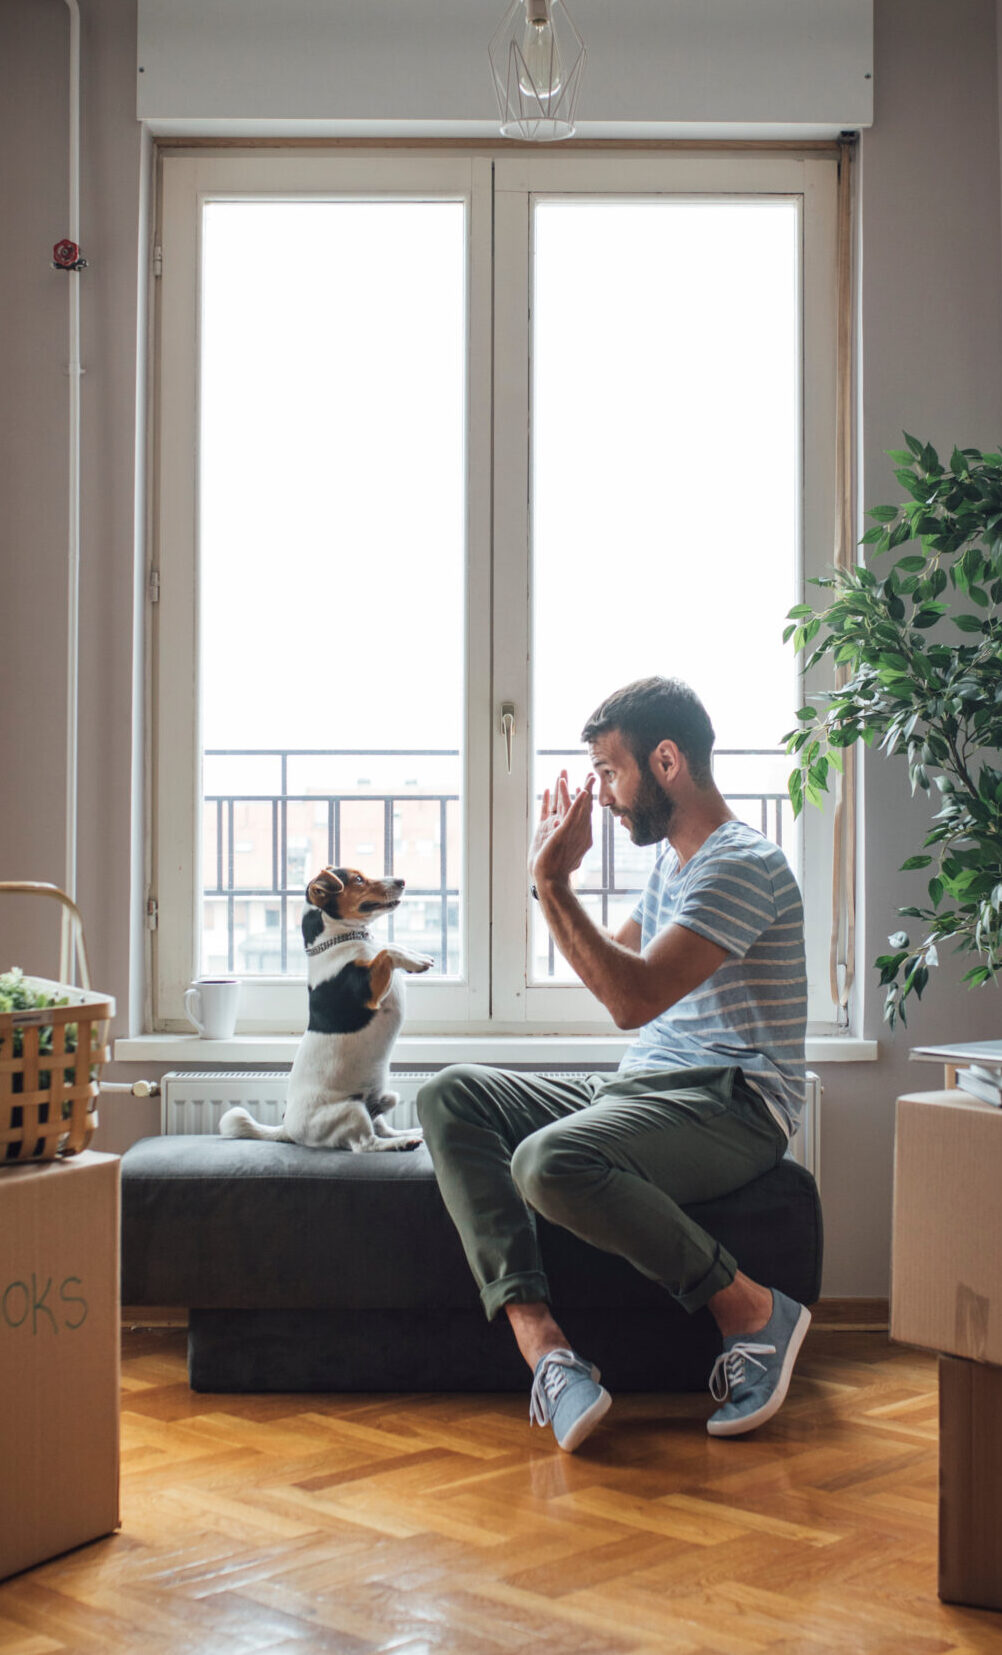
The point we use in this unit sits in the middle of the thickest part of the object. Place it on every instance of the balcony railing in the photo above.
(283, 853)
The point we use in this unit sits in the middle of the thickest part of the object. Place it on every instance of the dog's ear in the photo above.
(321, 889)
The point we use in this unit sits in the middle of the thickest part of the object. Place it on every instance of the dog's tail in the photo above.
(236, 1123)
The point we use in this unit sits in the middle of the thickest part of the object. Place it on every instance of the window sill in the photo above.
(422, 1050)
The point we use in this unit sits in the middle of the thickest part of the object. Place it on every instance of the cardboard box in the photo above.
(946, 1261)
(59, 1356)
(970, 1483)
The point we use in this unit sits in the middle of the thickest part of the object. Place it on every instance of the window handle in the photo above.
(508, 729)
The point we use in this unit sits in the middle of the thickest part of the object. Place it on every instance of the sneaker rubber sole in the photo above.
(749, 1422)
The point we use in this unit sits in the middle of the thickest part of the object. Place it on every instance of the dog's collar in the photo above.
(332, 942)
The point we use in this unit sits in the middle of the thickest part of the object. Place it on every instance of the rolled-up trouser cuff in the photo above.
(720, 1274)
(527, 1287)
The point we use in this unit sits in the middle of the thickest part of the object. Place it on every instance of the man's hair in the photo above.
(653, 710)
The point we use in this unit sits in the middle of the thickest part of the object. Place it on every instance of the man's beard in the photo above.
(650, 813)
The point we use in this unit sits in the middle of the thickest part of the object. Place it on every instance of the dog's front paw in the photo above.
(421, 962)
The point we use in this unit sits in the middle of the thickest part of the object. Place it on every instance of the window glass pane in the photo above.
(332, 534)
(665, 490)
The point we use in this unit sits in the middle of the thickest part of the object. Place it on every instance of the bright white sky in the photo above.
(332, 466)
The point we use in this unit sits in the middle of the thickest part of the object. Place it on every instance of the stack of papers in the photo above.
(978, 1064)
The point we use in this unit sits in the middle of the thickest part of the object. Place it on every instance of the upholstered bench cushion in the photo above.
(226, 1222)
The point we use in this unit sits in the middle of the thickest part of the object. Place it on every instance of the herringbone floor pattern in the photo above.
(444, 1526)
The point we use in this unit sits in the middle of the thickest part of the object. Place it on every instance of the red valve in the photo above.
(66, 256)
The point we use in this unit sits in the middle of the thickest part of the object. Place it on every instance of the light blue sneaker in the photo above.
(751, 1376)
(566, 1394)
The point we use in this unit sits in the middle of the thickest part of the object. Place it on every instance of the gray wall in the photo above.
(931, 361)
(33, 420)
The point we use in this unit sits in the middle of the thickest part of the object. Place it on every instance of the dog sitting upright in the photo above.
(338, 1092)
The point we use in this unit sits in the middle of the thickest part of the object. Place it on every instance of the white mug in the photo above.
(211, 1004)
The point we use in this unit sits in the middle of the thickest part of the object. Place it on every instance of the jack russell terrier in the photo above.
(338, 1092)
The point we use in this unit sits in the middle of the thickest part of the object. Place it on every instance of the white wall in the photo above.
(422, 65)
(932, 361)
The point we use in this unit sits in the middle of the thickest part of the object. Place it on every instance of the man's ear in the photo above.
(666, 760)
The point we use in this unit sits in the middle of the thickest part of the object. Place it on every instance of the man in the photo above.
(710, 970)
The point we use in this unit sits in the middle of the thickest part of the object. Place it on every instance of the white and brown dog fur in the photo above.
(338, 1089)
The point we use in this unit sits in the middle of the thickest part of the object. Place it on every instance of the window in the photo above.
(439, 435)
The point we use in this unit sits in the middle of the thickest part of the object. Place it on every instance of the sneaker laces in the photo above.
(728, 1370)
(550, 1380)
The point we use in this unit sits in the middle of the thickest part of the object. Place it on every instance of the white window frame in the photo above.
(496, 994)
(275, 1004)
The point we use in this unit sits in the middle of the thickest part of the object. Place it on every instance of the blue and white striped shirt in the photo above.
(737, 890)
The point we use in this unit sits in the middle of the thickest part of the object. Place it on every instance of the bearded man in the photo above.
(709, 971)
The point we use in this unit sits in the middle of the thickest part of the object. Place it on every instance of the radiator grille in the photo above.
(194, 1101)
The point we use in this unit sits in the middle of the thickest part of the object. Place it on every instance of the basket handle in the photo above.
(35, 888)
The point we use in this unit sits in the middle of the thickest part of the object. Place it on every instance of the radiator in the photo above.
(194, 1100)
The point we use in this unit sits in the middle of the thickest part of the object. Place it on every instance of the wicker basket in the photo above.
(47, 1098)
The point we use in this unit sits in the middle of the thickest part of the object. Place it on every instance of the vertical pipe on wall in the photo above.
(73, 550)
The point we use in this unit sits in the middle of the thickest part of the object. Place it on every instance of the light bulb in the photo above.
(540, 71)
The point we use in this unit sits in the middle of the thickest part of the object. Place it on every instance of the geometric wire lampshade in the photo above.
(536, 58)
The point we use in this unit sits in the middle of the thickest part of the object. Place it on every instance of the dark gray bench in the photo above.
(313, 1270)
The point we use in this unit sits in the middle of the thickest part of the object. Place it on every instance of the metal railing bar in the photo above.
(443, 831)
(345, 798)
(332, 752)
(284, 921)
(297, 892)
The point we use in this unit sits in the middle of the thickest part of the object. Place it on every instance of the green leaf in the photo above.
(968, 623)
(935, 892)
(883, 514)
(914, 444)
(795, 787)
(912, 561)
(915, 862)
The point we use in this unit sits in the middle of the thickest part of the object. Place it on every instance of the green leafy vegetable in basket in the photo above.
(18, 993)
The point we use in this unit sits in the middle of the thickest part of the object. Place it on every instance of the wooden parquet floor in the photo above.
(444, 1526)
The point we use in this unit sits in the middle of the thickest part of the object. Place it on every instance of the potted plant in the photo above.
(919, 648)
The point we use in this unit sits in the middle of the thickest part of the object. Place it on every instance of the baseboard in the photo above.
(136, 1316)
(852, 1315)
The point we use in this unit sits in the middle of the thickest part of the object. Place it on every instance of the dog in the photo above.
(338, 1094)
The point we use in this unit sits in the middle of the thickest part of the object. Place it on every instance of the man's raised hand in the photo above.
(563, 834)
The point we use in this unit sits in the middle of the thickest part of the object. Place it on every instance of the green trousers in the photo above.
(612, 1158)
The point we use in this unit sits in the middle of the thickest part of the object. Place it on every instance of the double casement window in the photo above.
(449, 447)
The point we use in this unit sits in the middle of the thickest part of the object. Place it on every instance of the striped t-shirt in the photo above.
(751, 1013)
